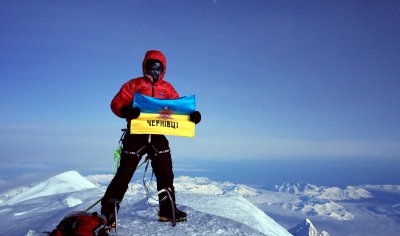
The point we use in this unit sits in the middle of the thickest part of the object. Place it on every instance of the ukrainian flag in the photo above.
(161, 116)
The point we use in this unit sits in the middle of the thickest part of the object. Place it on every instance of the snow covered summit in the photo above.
(213, 208)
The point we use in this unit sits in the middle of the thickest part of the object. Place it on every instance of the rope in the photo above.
(93, 205)
(172, 206)
(98, 201)
(147, 188)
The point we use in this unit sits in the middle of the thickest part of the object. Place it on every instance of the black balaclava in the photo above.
(154, 68)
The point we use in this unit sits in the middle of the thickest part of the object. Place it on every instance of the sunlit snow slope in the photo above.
(213, 208)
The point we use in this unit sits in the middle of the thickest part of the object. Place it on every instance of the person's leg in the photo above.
(119, 184)
(163, 170)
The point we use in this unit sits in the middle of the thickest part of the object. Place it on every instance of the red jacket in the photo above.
(160, 89)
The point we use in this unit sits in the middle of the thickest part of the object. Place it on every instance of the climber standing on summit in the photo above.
(152, 84)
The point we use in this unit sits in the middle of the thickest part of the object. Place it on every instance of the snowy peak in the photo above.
(66, 182)
(306, 228)
(297, 188)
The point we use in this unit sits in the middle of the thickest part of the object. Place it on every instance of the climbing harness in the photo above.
(150, 154)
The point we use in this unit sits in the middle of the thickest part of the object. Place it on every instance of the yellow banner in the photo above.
(178, 125)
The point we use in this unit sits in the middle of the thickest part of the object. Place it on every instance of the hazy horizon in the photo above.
(263, 174)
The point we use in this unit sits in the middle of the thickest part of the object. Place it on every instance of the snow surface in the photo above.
(213, 208)
(314, 200)
(63, 183)
(307, 205)
(376, 213)
(12, 193)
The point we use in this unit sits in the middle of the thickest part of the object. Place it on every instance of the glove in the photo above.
(130, 112)
(195, 117)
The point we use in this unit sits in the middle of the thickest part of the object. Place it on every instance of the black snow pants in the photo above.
(161, 162)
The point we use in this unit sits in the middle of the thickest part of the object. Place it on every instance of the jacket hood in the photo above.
(157, 55)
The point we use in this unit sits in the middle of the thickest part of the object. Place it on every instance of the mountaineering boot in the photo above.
(165, 214)
(180, 216)
(110, 217)
(111, 227)
(110, 212)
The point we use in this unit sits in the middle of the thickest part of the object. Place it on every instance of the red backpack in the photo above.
(82, 224)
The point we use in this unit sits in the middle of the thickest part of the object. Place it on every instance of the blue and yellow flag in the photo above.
(161, 116)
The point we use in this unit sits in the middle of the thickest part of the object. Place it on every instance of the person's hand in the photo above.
(195, 117)
(130, 112)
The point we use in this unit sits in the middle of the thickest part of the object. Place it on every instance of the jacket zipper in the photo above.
(152, 94)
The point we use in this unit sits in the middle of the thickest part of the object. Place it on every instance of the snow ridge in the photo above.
(13, 192)
(63, 183)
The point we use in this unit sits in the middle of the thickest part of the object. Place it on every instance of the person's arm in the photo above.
(174, 93)
(123, 98)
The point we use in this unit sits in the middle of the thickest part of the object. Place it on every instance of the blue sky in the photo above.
(273, 79)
